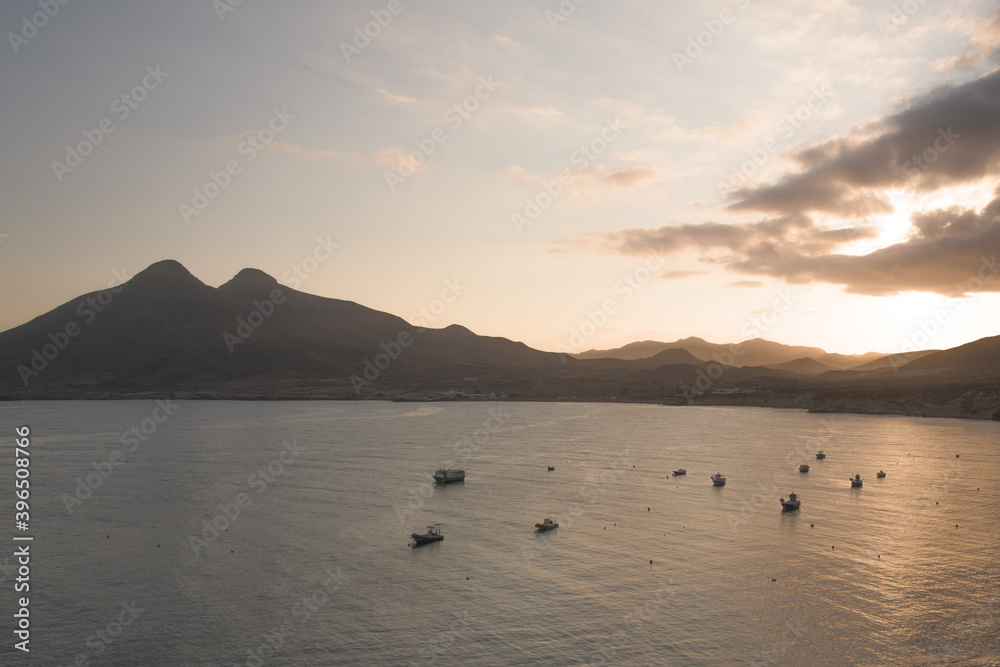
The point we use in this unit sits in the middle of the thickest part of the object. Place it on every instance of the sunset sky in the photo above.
(812, 173)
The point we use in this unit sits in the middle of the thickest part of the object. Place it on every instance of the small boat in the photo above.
(444, 476)
(803, 468)
(820, 454)
(548, 524)
(718, 479)
(856, 482)
(551, 468)
(880, 473)
(791, 504)
(433, 534)
(680, 471)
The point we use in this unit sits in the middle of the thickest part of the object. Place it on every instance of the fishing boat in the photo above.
(856, 482)
(820, 454)
(433, 534)
(791, 504)
(718, 479)
(548, 524)
(680, 471)
(444, 476)
(880, 473)
(803, 468)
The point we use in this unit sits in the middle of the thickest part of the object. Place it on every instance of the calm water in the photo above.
(317, 563)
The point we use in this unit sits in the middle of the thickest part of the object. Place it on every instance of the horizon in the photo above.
(824, 177)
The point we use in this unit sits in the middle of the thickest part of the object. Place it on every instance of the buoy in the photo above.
(647, 509)
(833, 547)
(812, 525)
(956, 525)
(936, 502)
(880, 555)
(650, 561)
(466, 578)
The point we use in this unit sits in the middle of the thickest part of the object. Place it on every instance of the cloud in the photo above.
(632, 177)
(678, 274)
(948, 137)
(985, 36)
(397, 158)
(295, 149)
(395, 99)
(949, 251)
(746, 283)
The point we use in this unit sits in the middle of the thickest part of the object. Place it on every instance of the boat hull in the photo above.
(425, 539)
(542, 528)
(449, 476)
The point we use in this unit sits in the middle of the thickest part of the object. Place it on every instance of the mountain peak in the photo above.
(163, 273)
(254, 277)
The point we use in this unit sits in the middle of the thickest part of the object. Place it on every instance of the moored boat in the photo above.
(444, 476)
(551, 468)
(820, 454)
(791, 504)
(680, 471)
(803, 468)
(880, 473)
(718, 479)
(548, 524)
(856, 482)
(433, 534)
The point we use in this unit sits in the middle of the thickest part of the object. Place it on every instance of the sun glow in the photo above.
(896, 226)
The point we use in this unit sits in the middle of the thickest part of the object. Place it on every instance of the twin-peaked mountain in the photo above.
(165, 332)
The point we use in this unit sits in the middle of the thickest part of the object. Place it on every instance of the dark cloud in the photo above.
(951, 251)
(948, 137)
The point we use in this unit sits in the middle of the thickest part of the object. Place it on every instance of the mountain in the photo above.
(892, 360)
(165, 333)
(755, 352)
(165, 329)
(804, 366)
(979, 358)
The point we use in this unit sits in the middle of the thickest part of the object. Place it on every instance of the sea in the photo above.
(278, 533)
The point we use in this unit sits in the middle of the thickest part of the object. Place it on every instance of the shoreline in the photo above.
(810, 404)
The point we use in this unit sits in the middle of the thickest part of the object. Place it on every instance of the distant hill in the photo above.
(755, 352)
(975, 359)
(892, 360)
(805, 366)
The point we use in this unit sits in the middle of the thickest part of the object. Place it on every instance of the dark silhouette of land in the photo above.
(165, 333)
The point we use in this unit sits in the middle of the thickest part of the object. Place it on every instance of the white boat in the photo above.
(444, 476)
(433, 534)
(856, 482)
(680, 471)
(820, 454)
(880, 473)
(803, 468)
(718, 479)
(791, 504)
(548, 524)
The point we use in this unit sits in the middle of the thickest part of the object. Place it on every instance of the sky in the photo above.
(573, 175)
